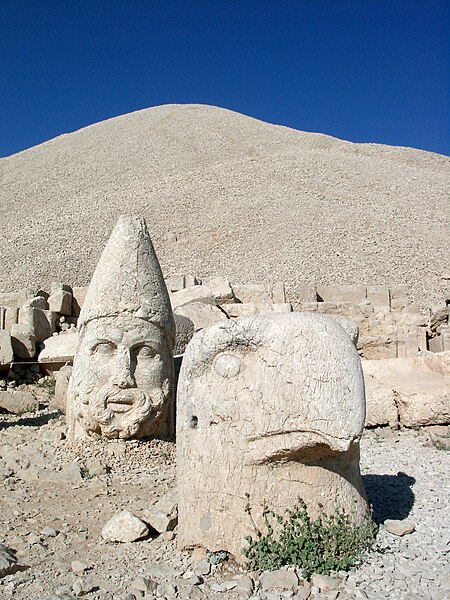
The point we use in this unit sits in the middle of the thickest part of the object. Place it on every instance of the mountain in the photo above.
(226, 194)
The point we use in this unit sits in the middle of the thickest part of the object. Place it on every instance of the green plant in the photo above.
(47, 383)
(323, 545)
(85, 473)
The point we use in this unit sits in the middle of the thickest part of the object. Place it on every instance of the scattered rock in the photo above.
(399, 528)
(163, 516)
(18, 402)
(124, 527)
(324, 582)
(279, 580)
(8, 561)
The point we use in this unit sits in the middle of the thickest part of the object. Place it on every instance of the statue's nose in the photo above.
(123, 377)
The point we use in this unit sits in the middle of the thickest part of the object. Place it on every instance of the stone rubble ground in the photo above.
(56, 499)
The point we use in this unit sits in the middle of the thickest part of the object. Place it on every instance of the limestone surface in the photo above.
(269, 408)
(123, 376)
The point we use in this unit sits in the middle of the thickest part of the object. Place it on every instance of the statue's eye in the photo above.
(105, 348)
(226, 365)
(145, 352)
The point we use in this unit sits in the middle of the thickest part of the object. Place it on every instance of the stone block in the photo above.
(23, 341)
(58, 350)
(43, 322)
(254, 402)
(341, 293)
(221, 289)
(421, 386)
(257, 294)
(202, 315)
(277, 292)
(180, 281)
(377, 347)
(381, 408)
(11, 317)
(16, 299)
(78, 296)
(198, 293)
(378, 295)
(399, 297)
(60, 300)
(305, 293)
(6, 350)
(245, 310)
(310, 306)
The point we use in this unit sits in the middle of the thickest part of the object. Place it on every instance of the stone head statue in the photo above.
(123, 377)
(269, 408)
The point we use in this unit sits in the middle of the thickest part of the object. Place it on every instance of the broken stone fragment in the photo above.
(163, 515)
(124, 527)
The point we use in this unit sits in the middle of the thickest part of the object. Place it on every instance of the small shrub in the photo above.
(47, 383)
(85, 473)
(321, 546)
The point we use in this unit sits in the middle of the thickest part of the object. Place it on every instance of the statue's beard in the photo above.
(119, 413)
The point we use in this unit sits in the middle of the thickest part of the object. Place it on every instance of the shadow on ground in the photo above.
(30, 421)
(390, 496)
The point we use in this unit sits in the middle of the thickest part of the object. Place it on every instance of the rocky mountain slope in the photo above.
(227, 194)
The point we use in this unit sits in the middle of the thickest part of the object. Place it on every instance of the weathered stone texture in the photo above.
(122, 383)
(6, 350)
(420, 385)
(273, 407)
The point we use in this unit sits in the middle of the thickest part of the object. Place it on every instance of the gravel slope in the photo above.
(243, 198)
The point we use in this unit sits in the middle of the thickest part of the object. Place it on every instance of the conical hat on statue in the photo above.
(128, 279)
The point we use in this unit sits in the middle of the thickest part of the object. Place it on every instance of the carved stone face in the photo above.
(121, 377)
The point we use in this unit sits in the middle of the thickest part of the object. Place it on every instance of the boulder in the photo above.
(18, 402)
(263, 401)
(124, 527)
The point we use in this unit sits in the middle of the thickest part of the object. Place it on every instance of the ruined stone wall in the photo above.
(41, 324)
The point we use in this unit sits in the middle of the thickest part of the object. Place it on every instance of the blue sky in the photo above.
(362, 70)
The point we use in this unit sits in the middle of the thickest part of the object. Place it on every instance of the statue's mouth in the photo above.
(121, 403)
